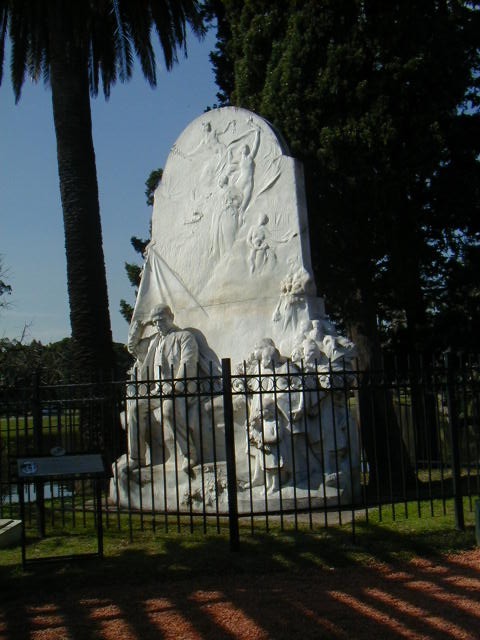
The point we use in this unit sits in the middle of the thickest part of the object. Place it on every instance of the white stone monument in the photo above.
(230, 251)
(230, 256)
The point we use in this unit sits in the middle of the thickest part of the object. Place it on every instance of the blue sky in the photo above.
(132, 133)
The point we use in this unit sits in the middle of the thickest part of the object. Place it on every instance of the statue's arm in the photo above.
(189, 355)
(134, 337)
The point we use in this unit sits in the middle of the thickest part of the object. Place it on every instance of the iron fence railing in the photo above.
(283, 445)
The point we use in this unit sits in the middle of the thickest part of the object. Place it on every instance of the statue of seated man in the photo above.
(171, 356)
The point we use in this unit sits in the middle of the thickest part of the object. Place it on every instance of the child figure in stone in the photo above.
(269, 440)
(260, 249)
(268, 437)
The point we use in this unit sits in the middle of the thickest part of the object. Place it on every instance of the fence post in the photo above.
(477, 522)
(454, 444)
(230, 455)
(38, 447)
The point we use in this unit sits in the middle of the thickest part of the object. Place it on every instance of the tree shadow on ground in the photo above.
(279, 585)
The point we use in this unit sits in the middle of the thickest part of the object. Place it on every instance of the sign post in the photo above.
(63, 467)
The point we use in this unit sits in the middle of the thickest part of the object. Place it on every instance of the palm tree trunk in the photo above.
(87, 286)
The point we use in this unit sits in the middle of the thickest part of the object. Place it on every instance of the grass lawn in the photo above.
(152, 556)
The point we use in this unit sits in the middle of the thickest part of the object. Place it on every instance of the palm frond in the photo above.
(46, 68)
(93, 75)
(106, 34)
(3, 33)
(110, 32)
(128, 60)
(162, 21)
(170, 19)
(19, 51)
(104, 52)
(28, 34)
(123, 49)
(37, 30)
(136, 18)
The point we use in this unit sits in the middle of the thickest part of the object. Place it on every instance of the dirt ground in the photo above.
(412, 599)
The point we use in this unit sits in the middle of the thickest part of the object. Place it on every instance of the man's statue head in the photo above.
(162, 317)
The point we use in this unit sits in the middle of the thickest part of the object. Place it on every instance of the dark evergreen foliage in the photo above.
(19, 361)
(134, 271)
(380, 101)
(151, 184)
(4, 287)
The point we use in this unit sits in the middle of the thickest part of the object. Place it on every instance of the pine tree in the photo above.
(380, 100)
(134, 271)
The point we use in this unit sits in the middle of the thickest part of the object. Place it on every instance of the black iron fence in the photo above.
(284, 444)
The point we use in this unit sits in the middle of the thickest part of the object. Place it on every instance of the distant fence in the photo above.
(252, 447)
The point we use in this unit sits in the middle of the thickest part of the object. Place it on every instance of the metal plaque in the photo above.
(72, 465)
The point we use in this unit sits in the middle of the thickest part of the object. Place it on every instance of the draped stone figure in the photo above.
(171, 356)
